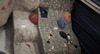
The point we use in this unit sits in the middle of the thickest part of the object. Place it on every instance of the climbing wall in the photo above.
(25, 27)
(6, 37)
(6, 7)
(6, 27)
(53, 20)
(55, 27)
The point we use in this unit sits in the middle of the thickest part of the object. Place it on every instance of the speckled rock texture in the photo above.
(26, 33)
(5, 10)
(48, 25)
(57, 4)
(28, 5)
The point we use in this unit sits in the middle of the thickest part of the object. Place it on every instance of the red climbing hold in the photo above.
(28, 45)
(66, 16)
(69, 52)
(4, 7)
(10, 1)
(33, 18)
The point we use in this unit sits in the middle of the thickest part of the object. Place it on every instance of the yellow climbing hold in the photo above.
(65, 45)
(52, 48)
(49, 37)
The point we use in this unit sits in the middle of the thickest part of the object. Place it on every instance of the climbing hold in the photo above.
(69, 52)
(23, 26)
(75, 46)
(33, 18)
(48, 41)
(50, 53)
(52, 48)
(65, 45)
(10, 1)
(68, 36)
(56, 28)
(4, 7)
(44, 12)
(61, 23)
(66, 16)
(28, 45)
(51, 35)
(63, 34)
(49, 50)
(2, 52)
(50, 31)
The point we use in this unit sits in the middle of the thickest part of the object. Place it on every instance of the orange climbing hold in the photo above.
(66, 16)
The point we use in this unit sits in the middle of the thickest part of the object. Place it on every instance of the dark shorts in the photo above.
(86, 26)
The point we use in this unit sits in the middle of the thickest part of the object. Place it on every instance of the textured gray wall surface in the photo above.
(2, 39)
(6, 37)
(26, 5)
(6, 7)
(57, 4)
(48, 25)
(25, 35)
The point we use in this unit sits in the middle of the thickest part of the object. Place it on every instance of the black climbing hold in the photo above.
(75, 46)
(63, 34)
(68, 34)
(51, 35)
(48, 41)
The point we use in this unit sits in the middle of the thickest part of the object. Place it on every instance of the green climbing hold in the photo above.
(50, 53)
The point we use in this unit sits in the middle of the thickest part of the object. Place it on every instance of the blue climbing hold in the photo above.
(44, 12)
(2, 52)
(61, 23)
